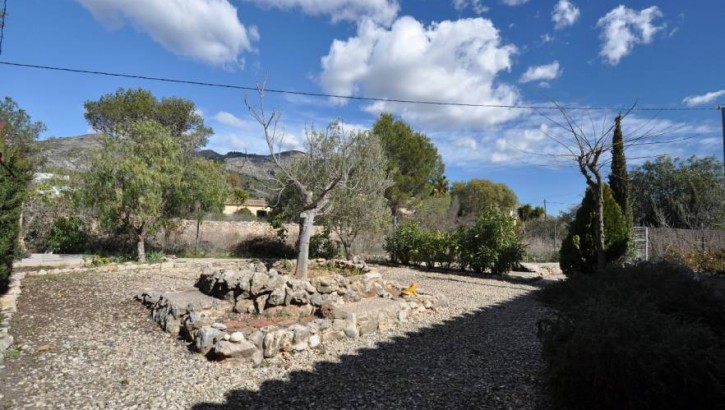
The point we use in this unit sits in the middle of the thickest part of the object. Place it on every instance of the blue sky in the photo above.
(660, 54)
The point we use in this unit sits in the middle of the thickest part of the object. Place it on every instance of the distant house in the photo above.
(258, 207)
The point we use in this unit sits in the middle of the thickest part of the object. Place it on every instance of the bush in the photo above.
(578, 253)
(647, 336)
(68, 235)
(322, 246)
(264, 247)
(708, 261)
(402, 244)
(491, 244)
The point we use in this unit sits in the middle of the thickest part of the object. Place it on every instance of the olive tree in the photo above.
(328, 164)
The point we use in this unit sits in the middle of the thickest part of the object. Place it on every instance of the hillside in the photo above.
(70, 154)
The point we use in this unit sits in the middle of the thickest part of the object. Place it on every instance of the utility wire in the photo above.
(345, 97)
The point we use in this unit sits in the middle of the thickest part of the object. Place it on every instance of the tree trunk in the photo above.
(308, 218)
(22, 248)
(196, 242)
(599, 240)
(347, 248)
(141, 247)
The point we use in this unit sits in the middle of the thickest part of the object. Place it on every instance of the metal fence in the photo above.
(654, 243)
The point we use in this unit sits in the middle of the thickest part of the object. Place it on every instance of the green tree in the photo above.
(131, 178)
(618, 177)
(528, 212)
(115, 114)
(481, 195)
(679, 193)
(17, 135)
(413, 162)
(359, 206)
(579, 252)
(203, 190)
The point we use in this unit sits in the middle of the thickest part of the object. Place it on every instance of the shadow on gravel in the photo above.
(488, 359)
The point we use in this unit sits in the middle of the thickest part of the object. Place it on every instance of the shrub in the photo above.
(402, 244)
(491, 244)
(646, 336)
(322, 246)
(264, 247)
(578, 253)
(68, 235)
(155, 257)
(708, 261)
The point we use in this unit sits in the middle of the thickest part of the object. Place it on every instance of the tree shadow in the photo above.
(489, 358)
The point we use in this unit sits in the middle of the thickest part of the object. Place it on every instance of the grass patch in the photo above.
(646, 336)
(11, 354)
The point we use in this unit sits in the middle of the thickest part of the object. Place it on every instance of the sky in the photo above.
(664, 58)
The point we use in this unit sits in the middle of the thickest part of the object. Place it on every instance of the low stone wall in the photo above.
(8, 307)
(220, 236)
(291, 314)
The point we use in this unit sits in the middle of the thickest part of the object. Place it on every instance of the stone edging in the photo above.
(8, 301)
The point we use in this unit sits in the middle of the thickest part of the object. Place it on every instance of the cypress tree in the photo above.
(618, 177)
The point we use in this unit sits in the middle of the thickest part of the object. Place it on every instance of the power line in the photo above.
(345, 97)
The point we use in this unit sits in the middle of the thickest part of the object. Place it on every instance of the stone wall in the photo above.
(8, 307)
(220, 236)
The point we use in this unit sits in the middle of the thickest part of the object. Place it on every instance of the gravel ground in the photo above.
(86, 343)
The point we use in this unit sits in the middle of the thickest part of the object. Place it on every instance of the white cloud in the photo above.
(541, 72)
(205, 30)
(231, 120)
(622, 28)
(565, 14)
(707, 98)
(466, 142)
(514, 2)
(447, 61)
(380, 11)
(475, 5)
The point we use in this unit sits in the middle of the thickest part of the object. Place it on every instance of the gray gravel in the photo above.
(85, 343)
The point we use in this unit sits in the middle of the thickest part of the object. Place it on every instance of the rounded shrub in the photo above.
(402, 244)
(323, 246)
(68, 235)
(491, 244)
(578, 252)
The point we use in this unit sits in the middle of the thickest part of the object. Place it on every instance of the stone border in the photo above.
(9, 301)
(8, 307)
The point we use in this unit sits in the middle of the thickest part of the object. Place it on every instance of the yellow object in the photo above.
(410, 290)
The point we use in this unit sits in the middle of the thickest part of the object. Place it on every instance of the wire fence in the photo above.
(657, 243)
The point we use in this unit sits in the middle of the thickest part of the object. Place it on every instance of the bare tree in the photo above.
(326, 166)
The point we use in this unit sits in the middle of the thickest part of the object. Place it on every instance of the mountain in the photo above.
(59, 155)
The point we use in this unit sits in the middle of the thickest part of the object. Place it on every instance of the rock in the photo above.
(228, 350)
(330, 335)
(259, 283)
(236, 337)
(244, 306)
(261, 303)
(226, 336)
(403, 316)
(277, 297)
(301, 333)
(372, 275)
(277, 341)
(296, 297)
(206, 338)
(351, 329)
(257, 337)
(367, 325)
(257, 358)
(314, 341)
(220, 326)
(325, 284)
(327, 310)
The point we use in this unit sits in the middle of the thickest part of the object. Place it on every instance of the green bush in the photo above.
(402, 244)
(578, 253)
(68, 235)
(155, 257)
(647, 336)
(322, 246)
(491, 244)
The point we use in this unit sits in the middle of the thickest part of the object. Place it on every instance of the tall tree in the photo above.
(130, 178)
(618, 177)
(413, 161)
(115, 114)
(679, 193)
(480, 195)
(327, 164)
(17, 134)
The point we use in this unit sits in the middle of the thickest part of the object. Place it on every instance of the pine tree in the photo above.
(618, 177)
